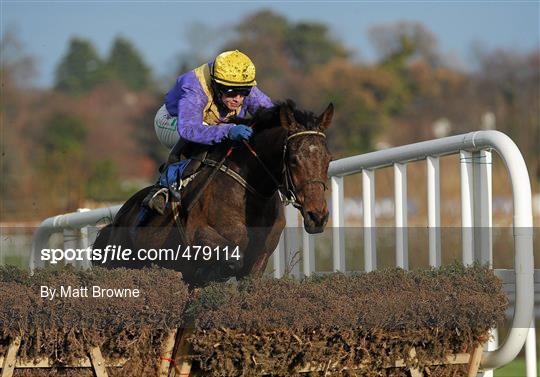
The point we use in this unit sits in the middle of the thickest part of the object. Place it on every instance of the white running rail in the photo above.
(475, 159)
(69, 224)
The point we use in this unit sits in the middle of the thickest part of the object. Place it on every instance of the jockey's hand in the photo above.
(240, 132)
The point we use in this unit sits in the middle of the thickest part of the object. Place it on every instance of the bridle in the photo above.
(288, 191)
(291, 191)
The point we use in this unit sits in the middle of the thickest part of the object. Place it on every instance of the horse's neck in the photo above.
(268, 144)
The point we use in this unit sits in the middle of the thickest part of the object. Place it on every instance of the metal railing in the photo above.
(476, 216)
(74, 227)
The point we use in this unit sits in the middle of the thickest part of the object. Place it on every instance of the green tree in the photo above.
(103, 183)
(263, 25)
(281, 47)
(398, 43)
(362, 96)
(63, 168)
(64, 134)
(310, 44)
(126, 64)
(80, 70)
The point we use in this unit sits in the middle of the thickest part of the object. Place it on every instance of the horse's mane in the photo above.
(265, 118)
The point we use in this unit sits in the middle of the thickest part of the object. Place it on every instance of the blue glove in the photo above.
(240, 132)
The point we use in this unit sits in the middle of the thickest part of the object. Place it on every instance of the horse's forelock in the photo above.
(269, 117)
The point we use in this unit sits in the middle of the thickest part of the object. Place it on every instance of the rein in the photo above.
(250, 148)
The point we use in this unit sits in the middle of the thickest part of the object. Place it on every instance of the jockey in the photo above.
(199, 105)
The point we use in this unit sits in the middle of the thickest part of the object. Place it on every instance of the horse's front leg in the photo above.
(260, 250)
(227, 247)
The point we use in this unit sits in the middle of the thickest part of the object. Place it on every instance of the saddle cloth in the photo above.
(172, 174)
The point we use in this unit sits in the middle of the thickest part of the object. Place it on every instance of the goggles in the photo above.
(228, 91)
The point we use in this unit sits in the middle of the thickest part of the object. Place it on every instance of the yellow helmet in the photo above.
(233, 68)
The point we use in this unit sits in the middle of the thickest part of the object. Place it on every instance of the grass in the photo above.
(515, 369)
(16, 260)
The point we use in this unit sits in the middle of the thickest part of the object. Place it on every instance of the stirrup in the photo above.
(159, 200)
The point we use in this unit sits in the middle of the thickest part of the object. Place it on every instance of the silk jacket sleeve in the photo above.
(190, 122)
(188, 100)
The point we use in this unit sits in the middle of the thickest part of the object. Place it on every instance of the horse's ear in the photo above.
(326, 117)
(286, 118)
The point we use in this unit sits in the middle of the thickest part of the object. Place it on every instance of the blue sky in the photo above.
(158, 28)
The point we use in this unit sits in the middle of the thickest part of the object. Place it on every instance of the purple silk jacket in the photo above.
(187, 100)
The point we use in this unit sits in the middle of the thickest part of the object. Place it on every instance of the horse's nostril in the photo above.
(314, 217)
(318, 217)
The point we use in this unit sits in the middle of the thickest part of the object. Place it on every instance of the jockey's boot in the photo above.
(157, 197)
(155, 200)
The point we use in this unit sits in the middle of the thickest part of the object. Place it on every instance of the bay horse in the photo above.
(240, 208)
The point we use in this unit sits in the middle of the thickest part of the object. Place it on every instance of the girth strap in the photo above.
(234, 175)
(175, 206)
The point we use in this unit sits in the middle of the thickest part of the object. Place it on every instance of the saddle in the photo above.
(196, 153)
(176, 175)
(187, 163)
(181, 167)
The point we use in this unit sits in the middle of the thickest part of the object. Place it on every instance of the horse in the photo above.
(234, 205)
